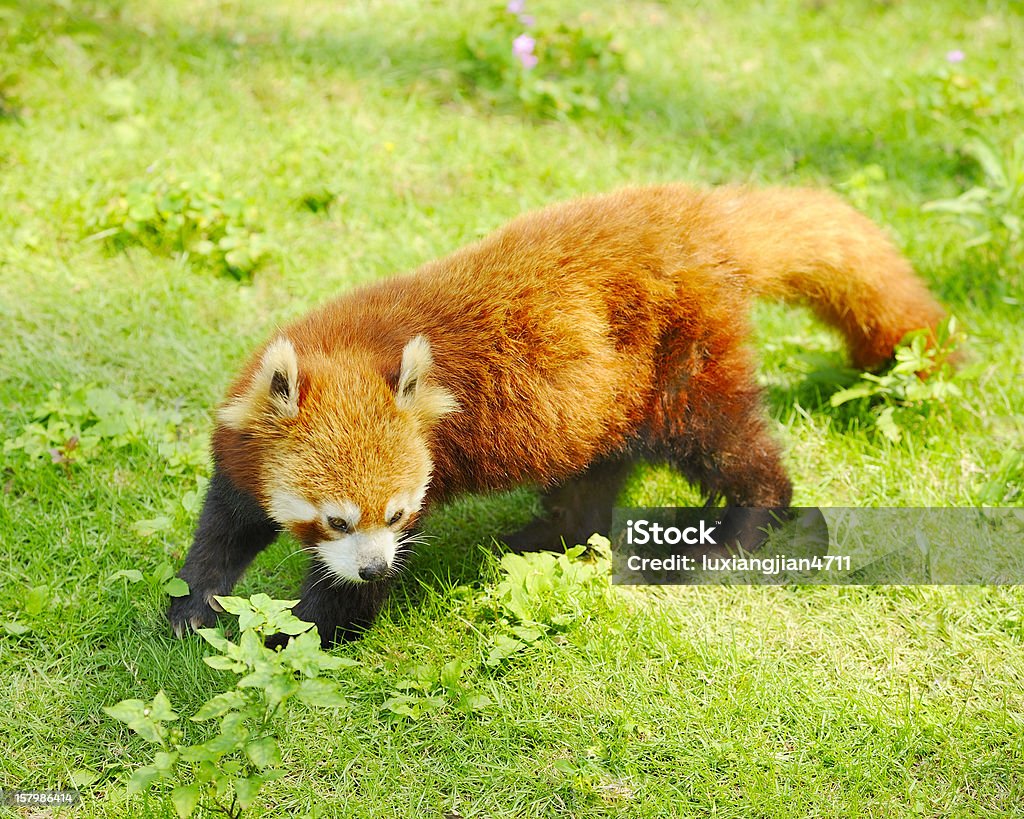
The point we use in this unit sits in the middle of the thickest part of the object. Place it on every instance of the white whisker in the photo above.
(413, 542)
(289, 556)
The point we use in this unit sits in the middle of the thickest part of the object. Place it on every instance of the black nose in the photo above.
(374, 570)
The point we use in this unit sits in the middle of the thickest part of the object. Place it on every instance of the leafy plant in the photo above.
(543, 594)
(168, 214)
(921, 374)
(1004, 486)
(71, 427)
(560, 69)
(427, 688)
(35, 601)
(864, 185)
(225, 772)
(319, 199)
(161, 578)
(952, 94)
(991, 213)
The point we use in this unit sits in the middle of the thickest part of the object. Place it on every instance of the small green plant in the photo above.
(224, 772)
(992, 213)
(319, 200)
(191, 216)
(560, 69)
(1004, 486)
(161, 578)
(543, 594)
(70, 427)
(426, 688)
(921, 374)
(35, 602)
(864, 185)
(539, 597)
(953, 93)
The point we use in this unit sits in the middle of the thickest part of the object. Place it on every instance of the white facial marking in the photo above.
(344, 509)
(346, 555)
(287, 507)
(405, 502)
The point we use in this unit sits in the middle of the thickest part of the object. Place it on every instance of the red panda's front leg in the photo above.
(341, 610)
(232, 530)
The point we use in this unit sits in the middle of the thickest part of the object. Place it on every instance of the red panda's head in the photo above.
(340, 453)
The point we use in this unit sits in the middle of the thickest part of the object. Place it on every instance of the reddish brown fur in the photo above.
(575, 330)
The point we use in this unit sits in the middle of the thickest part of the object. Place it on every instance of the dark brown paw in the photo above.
(191, 613)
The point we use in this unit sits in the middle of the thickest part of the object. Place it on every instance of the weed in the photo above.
(161, 579)
(427, 689)
(992, 213)
(1004, 486)
(864, 185)
(561, 69)
(542, 594)
(537, 595)
(921, 374)
(225, 772)
(952, 95)
(189, 216)
(72, 427)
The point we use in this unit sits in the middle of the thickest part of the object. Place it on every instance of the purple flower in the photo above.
(955, 56)
(528, 60)
(522, 48)
(516, 6)
(526, 19)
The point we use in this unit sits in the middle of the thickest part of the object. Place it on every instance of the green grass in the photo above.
(873, 701)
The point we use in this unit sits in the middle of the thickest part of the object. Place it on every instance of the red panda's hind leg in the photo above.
(713, 430)
(574, 509)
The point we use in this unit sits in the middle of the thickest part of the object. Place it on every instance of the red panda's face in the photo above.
(344, 462)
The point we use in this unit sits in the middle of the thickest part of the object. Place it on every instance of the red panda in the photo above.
(555, 352)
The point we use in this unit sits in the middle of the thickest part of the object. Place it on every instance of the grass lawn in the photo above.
(305, 148)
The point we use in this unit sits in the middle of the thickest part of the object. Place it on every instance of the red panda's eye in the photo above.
(395, 518)
(338, 523)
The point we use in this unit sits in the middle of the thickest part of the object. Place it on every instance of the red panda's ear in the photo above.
(415, 393)
(273, 392)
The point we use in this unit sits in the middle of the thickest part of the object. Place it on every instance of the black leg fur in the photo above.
(340, 611)
(232, 530)
(575, 509)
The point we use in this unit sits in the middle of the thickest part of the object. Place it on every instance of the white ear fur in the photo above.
(274, 389)
(417, 395)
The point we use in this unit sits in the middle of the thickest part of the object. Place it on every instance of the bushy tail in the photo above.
(810, 246)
